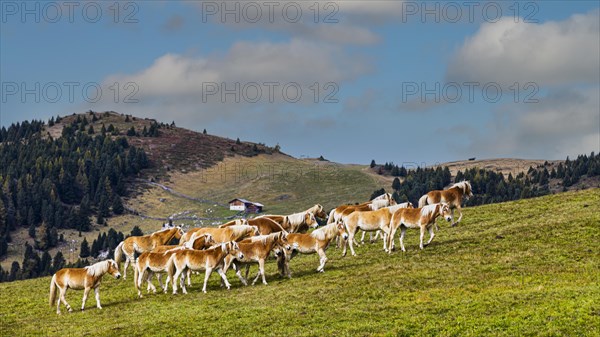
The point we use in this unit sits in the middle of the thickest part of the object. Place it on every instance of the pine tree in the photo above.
(373, 164)
(117, 205)
(15, 272)
(84, 250)
(31, 231)
(396, 184)
(45, 264)
(58, 262)
(204, 132)
(136, 231)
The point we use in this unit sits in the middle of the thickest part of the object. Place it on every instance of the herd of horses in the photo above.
(239, 243)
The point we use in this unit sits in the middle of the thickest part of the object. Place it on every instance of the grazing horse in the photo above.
(183, 260)
(422, 218)
(256, 249)
(186, 237)
(369, 221)
(87, 278)
(265, 225)
(317, 241)
(226, 234)
(295, 223)
(143, 244)
(452, 196)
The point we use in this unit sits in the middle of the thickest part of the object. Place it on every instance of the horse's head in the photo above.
(409, 205)
(234, 249)
(178, 232)
(241, 222)
(255, 230)
(341, 229)
(310, 220)
(468, 191)
(391, 200)
(113, 269)
(445, 212)
(320, 213)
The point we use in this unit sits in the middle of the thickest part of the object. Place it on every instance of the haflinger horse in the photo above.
(226, 234)
(155, 262)
(378, 232)
(263, 225)
(256, 249)
(383, 200)
(86, 278)
(452, 196)
(186, 237)
(370, 221)
(317, 241)
(195, 260)
(144, 244)
(422, 218)
(294, 223)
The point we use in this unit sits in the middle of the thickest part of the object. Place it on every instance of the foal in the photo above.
(87, 278)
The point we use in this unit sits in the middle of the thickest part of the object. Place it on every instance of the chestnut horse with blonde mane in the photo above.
(186, 237)
(452, 196)
(383, 200)
(144, 244)
(419, 218)
(317, 241)
(294, 223)
(87, 278)
(264, 226)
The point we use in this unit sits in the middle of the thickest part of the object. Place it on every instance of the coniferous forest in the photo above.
(49, 184)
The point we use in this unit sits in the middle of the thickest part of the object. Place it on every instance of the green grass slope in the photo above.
(529, 267)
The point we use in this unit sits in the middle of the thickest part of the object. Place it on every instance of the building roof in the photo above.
(247, 202)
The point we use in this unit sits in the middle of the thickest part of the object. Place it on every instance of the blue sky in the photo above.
(392, 70)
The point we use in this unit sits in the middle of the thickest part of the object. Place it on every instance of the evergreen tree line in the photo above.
(34, 265)
(47, 184)
(488, 186)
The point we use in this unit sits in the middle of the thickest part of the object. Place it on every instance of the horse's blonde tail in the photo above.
(53, 290)
(119, 254)
(423, 201)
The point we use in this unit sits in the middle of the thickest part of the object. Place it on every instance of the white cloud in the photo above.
(561, 124)
(552, 53)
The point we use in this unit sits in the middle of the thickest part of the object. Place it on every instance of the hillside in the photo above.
(528, 267)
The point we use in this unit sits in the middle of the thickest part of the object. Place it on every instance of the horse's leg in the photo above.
(58, 301)
(459, 216)
(174, 280)
(422, 228)
(158, 278)
(431, 235)
(402, 232)
(224, 278)
(63, 292)
(97, 291)
(345, 244)
(86, 291)
(261, 271)
(390, 237)
(126, 265)
(151, 286)
(206, 276)
(323, 260)
(351, 240)
(238, 272)
(362, 238)
(189, 278)
(247, 270)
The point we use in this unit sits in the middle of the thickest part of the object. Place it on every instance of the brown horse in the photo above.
(452, 196)
(256, 250)
(317, 241)
(383, 200)
(183, 260)
(226, 234)
(154, 262)
(294, 223)
(143, 244)
(422, 218)
(87, 278)
(370, 221)
(265, 225)
(186, 237)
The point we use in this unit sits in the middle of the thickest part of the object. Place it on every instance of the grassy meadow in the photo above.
(530, 267)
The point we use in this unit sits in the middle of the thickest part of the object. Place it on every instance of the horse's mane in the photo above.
(462, 185)
(382, 197)
(315, 209)
(264, 239)
(428, 210)
(98, 269)
(396, 207)
(297, 218)
(324, 232)
(377, 204)
(192, 240)
(241, 229)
